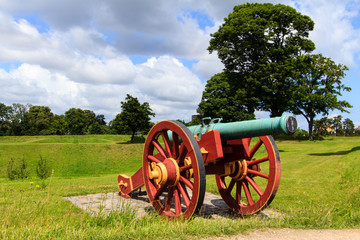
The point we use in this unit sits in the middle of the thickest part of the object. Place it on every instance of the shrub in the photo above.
(11, 170)
(21, 171)
(43, 170)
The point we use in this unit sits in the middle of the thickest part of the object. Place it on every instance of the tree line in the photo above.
(18, 119)
(335, 126)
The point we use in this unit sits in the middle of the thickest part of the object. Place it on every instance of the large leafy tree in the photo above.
(260, 42)
(79, 120)
(59, 126)
(220, 100)
(318, 87)
(134, 117)
(39, 120)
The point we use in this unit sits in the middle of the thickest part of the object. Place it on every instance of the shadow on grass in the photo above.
(336, 153)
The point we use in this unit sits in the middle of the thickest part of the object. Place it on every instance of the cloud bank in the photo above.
(90, 54)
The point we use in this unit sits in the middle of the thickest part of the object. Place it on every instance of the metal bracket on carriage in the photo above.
(210, 146)
(128, 185)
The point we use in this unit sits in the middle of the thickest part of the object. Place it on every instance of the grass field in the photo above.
(319, 189)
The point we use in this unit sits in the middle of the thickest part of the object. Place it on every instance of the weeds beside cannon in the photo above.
(176, 160)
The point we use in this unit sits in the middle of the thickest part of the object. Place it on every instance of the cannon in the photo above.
(242, 155)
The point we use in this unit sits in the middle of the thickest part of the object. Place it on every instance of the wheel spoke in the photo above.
(184, 168)
(183, 152)
(257, 161)
(169, 199)
(177, 202)
(247, 193)
(159, 191)
(254, 185)
(184, 195)
(153, 159)
(152, 188)
(260, 174)
(175, 145)
(187, 182)
(231, 186)
(159, 148)
(255, 148)
(238, 192)
(167, 143)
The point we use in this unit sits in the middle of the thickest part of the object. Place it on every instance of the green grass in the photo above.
(69, 156)
(319, 189)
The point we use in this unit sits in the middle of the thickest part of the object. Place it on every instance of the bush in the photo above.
(19, 172)
(23, 171)
(43, 170)
(11, 171)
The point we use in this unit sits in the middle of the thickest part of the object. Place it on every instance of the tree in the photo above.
(322, 127)
(18, 121)
(59, 126)
(4, 119)
(134, 117)
(39, 120)
(337, 125)
(218, 101)
(79, 121)
(96, 128)
(100, 119)
(318, 87)
(76, 120)
(349, 127)
(260, 42)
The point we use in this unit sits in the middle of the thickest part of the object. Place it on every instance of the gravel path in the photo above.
(213, 207)
(297, 234)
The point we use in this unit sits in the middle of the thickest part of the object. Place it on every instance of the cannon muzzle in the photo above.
(244, 129)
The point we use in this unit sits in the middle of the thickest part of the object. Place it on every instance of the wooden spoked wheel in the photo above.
(173, 169)
(259, 177)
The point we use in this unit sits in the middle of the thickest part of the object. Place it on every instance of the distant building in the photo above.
(330, 130)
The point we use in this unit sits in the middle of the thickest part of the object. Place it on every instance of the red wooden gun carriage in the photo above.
(241, 155)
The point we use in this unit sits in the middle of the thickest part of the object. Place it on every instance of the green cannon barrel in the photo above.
(251, 128)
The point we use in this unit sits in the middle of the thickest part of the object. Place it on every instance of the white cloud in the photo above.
(169, 87)
(334, 34)
(77, 53)
(208, 66)
(167, 79)
(36, 85)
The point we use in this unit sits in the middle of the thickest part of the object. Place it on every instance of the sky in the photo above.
(90, 54)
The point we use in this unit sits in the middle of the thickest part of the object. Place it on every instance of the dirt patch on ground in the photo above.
(296, 234)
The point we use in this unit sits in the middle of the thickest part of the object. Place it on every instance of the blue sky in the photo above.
(90, 54)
